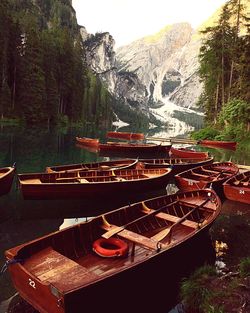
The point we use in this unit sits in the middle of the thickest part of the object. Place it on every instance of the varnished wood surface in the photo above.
(63, 265)
(237, 188)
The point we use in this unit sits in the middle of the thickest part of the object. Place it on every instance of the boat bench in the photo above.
(134, 237)
(174, 219)
(32, 181)
(50, 266)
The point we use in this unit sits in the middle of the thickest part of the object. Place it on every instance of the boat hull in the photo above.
(138, 288)
(238, 188)
(187, 153)
(89, 142)
(220, 144)
(125, 135)
(6, 180)
(60, 273)
(145, 148)
(106, 185)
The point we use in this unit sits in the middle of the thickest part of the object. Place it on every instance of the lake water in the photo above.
(23, 220)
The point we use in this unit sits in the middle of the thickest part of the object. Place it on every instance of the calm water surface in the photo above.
(23, 220)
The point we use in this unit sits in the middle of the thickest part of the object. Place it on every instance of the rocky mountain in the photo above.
(166, 63)
(124, 85)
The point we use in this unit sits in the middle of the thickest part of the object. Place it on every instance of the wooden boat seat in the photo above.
(175, 219)
(209, 171)
(32, 181)
(71, 180)
(139, 239)
(119, 179)
(50, 266)
(134, 237)
(198, 174)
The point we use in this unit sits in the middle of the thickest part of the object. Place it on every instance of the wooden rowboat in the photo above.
(187, 153)
(6, 179)
(125, 135)
(89, 184)
(237, 188)
(102, 264)
(135, 147)
(91, 142)
(177, 165)
(221, 144)
(212, 175)
(101, 166)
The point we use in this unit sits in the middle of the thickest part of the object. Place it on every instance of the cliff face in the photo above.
(166, 64)
(101, 59)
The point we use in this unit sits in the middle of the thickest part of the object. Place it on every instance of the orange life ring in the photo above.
(111, 247)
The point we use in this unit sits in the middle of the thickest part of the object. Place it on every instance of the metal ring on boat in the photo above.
(111, 247)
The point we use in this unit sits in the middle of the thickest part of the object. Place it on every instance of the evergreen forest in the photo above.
(225, 73)
(44, 77)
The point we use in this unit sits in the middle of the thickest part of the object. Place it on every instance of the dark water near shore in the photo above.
(23, 220)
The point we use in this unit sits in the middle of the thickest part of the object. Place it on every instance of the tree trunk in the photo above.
(235, 38)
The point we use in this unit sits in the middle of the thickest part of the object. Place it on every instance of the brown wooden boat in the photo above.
(89, 184)
(92, 149)
(6, 179)
(115, 262)
(135, 147)
(221, 144)
(237, 188)
(177, 165)
(97, 166)
(125, 135)
(91, 142)
(187, 153)
(212, 175)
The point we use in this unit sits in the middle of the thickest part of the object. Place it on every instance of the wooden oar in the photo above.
(117, 229)
(162, 234)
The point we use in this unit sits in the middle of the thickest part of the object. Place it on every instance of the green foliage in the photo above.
(195, 292)
(244, 267)
(224, 61)
(130, 115)
(205, 133)
(234, 112)
(190, 118)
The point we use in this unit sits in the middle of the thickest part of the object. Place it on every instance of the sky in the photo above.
(128, 20)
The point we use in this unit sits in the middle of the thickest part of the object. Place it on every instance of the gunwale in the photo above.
(6, 178)
(102, 165)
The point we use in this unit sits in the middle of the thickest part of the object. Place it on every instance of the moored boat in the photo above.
(89, 184)
(101, 166)
(187, 153)
(6, 178)
(237, 188)
(109, 257)
(135, 147)
(125, 135)
(91, 142)
(211, 175)
(176, 164)
(219, 143)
